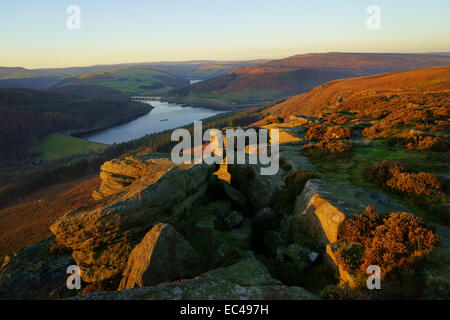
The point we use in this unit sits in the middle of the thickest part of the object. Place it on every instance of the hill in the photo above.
(29, 115)
(24, 78)
(281, 78)
(246, 86)
(363, 63)
(129, 81)
(425, 87)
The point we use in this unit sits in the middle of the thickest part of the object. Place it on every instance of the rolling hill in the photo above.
(24, 78)
(281, 78)
(44, 78)
(128, 81)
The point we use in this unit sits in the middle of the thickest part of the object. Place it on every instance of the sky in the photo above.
(34, 34)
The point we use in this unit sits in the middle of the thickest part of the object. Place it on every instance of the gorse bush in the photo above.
(329, 148)
(392, 241)
(393, 176)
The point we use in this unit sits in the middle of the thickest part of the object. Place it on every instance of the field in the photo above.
(56, 146)
(131, 81)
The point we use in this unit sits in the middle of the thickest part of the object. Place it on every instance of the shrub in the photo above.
(393, 242)
(360, 227)
(393, 176)
(272, 119)
(337, 132)
(319, 132)
(398, 241)
(329, 148)
(381, 171)
(315, 131)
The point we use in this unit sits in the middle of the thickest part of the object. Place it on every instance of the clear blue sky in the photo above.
(34, 33)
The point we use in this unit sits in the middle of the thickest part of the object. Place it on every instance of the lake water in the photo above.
(176, 115)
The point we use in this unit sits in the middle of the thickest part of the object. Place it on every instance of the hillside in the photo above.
(28, 116)
(281, 78)
(425, 87)
(245, 86)
(363, 63)
(24, 78)
(129, 81)
(356, 186)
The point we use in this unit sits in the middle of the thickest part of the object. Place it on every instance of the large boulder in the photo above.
(245, 280)
(121, 172)
(324, 205)
(103, 234)
(36, 272)
(163, 255)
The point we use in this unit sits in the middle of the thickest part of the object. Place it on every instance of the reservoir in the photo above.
(164, 116)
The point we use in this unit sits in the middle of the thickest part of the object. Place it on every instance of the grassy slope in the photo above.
(384, 91)
(130, 81)
(416, 90)
(56, 146)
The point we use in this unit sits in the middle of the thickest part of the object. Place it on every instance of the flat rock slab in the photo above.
(324, 205)
(247, 280)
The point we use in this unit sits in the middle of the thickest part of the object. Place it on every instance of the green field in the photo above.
(56, 146)
(131, 81)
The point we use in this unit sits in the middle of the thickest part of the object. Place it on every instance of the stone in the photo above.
(35, 273)
(324, 205)
(274, 244)
(264, 220)
(103, 234)
(163, 255)
(248, 279)
(331, 260)
(233, 220)
(121, 172)
(300, 255)
(233, 194)
(258, 190)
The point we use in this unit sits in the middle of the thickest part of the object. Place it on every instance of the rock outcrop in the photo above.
(246, 280)
(163, 255)
(102, 235)
(257, 189)
(121, 172)
(36, 273)
(324, 205)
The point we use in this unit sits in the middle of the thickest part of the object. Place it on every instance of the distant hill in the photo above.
(24, 78)
(29, 115)
(281, 78)
(129, 81)
(363, 63)
(44, 78)
(377, 92)
(246, 86)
